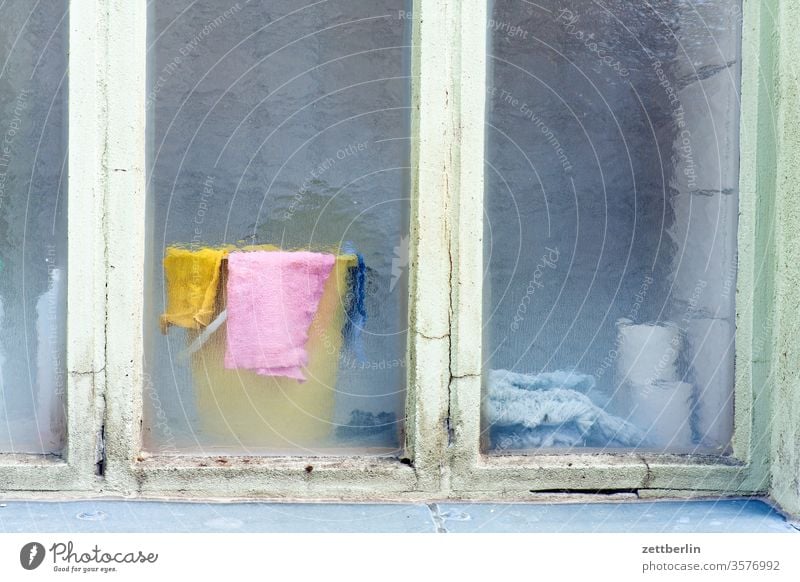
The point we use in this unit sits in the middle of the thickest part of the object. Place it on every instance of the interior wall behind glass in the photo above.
(33, 206)
(611, 201)
(282, 125)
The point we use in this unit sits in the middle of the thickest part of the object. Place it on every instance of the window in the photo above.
(612, 180)
(51, 319)
(284, 128)
(33, 199)
(494, 196)
(552, 301)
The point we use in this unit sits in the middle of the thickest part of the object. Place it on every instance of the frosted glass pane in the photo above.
(33, 206)
(611, 198)
(278, 126)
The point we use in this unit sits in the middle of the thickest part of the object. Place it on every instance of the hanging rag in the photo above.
(356, 308)
(192, 279)
(547, 410)
(272, 299)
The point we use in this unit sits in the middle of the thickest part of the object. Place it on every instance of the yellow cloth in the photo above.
(272, 414)
(192, 279)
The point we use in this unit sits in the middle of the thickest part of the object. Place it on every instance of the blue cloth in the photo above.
(356, 308)
(550, 409)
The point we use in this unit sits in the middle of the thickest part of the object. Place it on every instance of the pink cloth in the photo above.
(272, 299)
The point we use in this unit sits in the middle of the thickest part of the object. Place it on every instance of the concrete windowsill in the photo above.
(129, 516)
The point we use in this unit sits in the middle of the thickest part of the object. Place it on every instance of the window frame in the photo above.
(106, 380)
(746, 470)
(75, 468)
(355, 477)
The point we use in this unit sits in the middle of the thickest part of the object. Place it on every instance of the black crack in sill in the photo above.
(587, 491)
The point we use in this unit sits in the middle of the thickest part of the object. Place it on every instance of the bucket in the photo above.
(276, 415)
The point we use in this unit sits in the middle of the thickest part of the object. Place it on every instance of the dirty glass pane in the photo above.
(277, 128)
(611, 225)
(33, 207)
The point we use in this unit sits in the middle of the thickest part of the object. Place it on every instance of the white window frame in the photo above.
(362, 478)
(442, 456)
(746, 470)
(75, 469)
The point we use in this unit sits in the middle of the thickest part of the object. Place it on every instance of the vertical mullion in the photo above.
(125, 83)
(466, 233)
(85, 241)
(785, 416)
(755, 285)
(433, 132)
